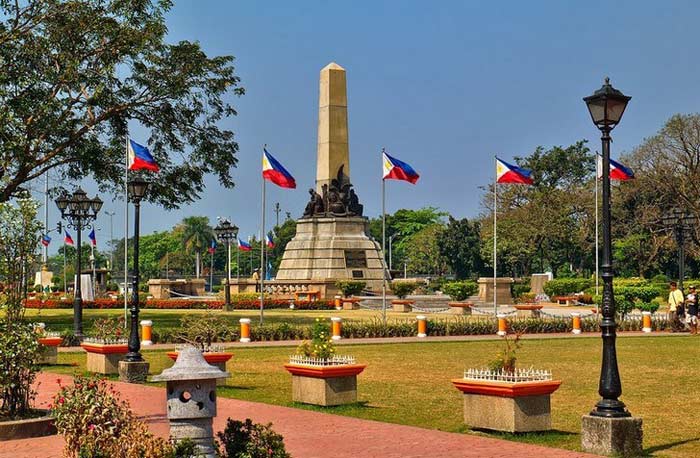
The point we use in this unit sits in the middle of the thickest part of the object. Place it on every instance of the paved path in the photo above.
(306, 434)
(389, 340)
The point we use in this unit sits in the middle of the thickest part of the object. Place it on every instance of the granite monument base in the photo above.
(332, 391)
(133, 371)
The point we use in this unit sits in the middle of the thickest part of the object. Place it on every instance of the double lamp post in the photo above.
(225, 233)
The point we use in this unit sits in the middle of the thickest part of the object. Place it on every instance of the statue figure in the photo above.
(335, 206)
(315, 205)
(355, 208)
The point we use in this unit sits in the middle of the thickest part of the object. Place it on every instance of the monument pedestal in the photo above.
(133, 371)
(331, 249)
(503, 295)
(612, 436)
(44, 278)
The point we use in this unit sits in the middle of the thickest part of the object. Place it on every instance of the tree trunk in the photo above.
(196, 267)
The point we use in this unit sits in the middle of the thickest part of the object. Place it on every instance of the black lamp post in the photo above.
(78, 210)
(680, 222)
(606, 107)
(136, 189)
(225, 232)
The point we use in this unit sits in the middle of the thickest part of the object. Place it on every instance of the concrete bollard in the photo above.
(146, 332)
(502, 324)
(646, 321)
(191, 399)
(576, 322)
(338, 302)
(245, 330)
(422, 326)
(337, 327)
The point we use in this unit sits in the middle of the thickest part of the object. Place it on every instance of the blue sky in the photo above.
(442, 85)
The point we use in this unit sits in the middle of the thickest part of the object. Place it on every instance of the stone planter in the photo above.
(528, 310)
(214, 358)
(460, 308)
(31, 427)
(49, 349)
(402, 305)
(328, 385)
(104, 358)
(511, 406)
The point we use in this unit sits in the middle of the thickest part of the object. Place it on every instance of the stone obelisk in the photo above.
(331, 242)
(333, 149)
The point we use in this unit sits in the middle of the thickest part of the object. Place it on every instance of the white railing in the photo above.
(49, 334)
(210, 349)
(95, 340)
(519, 375)
(332, 361)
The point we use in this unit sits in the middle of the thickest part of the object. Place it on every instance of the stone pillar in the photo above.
(333, 150)
(503, 295)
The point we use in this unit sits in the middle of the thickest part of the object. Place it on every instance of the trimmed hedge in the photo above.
(460, 290)
(566, 286)
(176, 304)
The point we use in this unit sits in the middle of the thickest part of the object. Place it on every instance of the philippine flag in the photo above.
(92, 237)
(394, 169)
(274, 171)
(269, 242)
(68, 240)
(618, 171)
(45, 240)
(244, 246)
(212, 247)
(508, 173)
(140, 158)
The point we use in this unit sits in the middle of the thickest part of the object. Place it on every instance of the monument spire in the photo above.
(333, 149)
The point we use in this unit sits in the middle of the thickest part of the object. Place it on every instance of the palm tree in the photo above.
(196, 237)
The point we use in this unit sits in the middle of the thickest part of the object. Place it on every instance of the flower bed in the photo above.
(175, 304)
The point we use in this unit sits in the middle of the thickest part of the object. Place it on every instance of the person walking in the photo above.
(691, 315)
(675, 307)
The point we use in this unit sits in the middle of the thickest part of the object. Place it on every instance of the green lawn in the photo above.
(410, 384)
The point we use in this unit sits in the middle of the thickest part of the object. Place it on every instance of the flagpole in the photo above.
(262, 255)
(211, 273)
(126, 229)
(596, 224)
(495, 205)
(94, 273)
(65, 279)
(383, 250)
(238, 261)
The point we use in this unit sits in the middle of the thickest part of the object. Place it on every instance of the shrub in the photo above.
(245, 439)
(19, 353)
(520, 287)
(403, 288)
(321, 345)
(350, 287)
(112, 286)
(108, 330)
(652, 307)
(526, 298)
(631, 281)
(95, 423)
(459, 290)
(565, 286)
(506, 358)
(641, 293)
(202, 330)
(660, 278)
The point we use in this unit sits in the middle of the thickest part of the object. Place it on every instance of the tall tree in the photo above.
(460, 245)
(196, 237)
(422, 251)
(76, 72)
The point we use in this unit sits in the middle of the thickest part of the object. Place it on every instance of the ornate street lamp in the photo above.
(79, 211)
(226, 232)
(606, 107)
(136, 189)
(681, 222)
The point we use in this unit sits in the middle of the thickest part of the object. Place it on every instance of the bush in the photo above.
(245, 439)
(648, 306)
(641, 293)
(660, 278)
(460, 290)
(403, 288)
(202, 330)
(526, 298)
(108, 330)
(95, 423)
(350, 287)
(19, 353)
(631, 281)
(112, 286)
(520, 287)
(565, 286)
(321, 345)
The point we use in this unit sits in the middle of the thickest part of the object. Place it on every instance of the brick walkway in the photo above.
(306, 434)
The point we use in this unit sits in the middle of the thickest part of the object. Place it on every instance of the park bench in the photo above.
(566, 300)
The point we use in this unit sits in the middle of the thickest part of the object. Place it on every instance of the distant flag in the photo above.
(212, 247)
(618, 171)
(508, 173)
(68, 240)
(268, 240)
(92, 237)
(273, 171)
(140, 158)
(394, 169)
(244, 246)
(45, 240)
